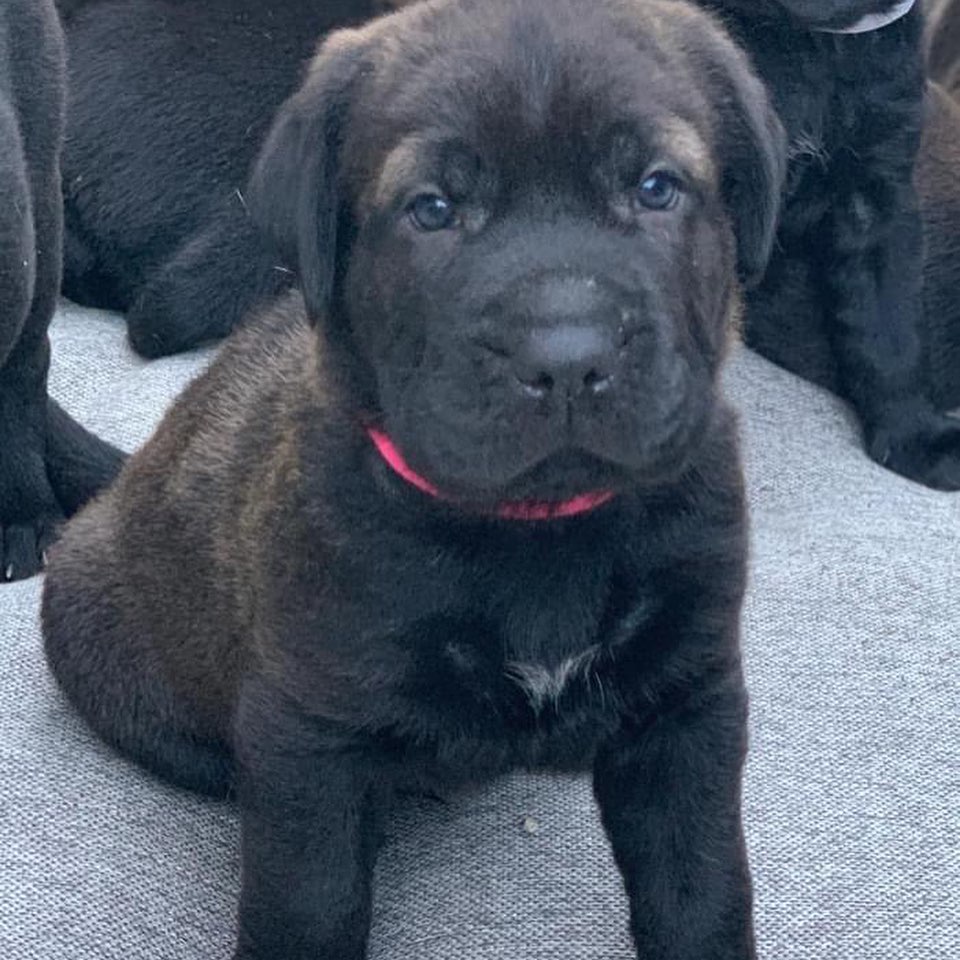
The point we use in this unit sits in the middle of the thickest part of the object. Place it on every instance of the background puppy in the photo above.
(486, 512)
(169, 102)
(49, 465)
(843, 300)
(851, 231)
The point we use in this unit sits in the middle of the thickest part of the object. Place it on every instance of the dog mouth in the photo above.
(516, 504)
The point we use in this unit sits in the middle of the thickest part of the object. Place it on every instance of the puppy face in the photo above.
(523, 221)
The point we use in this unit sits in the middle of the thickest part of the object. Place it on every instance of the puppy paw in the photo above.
(47, 471)
(266, 953)
(23, 545)
(924, 448)
(29, 511)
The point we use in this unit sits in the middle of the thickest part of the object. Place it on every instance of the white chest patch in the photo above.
(544, 685)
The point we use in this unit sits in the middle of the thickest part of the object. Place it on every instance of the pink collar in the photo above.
(509, 510)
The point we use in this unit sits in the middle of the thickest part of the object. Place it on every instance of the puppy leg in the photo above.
(207, 288)
(30, 265)
(878, 330)
(669, 798)
(786, 322)
(17, 243)
(84, 280)
(29, 512)
(310, 833)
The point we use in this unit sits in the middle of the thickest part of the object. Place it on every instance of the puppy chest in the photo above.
(535, 687)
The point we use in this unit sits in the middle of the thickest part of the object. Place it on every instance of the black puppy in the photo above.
(49, 465)
(169, 102)
(843, 300)
(799, 338)
(486, 512)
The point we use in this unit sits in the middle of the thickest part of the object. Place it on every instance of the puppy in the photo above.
(168, 104)
(789, 319)
(49, 465)
(843, 301)
(473, 502)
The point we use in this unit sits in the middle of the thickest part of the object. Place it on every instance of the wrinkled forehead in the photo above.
(530, 95)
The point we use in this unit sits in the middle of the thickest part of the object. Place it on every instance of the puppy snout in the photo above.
(561, 335)
(566, 360)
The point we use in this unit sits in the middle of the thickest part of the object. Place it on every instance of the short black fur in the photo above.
(169, 102)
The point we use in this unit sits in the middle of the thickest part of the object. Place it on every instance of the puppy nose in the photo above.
(567, 360)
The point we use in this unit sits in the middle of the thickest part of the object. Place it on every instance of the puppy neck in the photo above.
(522, 510)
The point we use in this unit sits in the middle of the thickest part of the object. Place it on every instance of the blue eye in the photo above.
(659, 191)
(431, 212)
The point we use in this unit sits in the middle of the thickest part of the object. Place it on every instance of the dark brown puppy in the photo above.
(485, 510)
(49, 465)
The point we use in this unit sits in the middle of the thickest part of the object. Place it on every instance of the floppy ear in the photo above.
(752, 146)
(293, 192)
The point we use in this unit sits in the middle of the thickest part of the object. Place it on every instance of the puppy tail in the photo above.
(79, 464)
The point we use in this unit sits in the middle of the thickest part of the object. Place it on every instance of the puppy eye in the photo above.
(660, 190)
(432, 211)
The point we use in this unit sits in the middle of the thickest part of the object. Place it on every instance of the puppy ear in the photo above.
(753, 149)
(293, 192)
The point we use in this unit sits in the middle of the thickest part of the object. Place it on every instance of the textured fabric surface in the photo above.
(853, 786)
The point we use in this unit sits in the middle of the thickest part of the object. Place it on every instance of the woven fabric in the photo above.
(853, 784)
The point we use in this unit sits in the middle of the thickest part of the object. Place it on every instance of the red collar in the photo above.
(508, 510)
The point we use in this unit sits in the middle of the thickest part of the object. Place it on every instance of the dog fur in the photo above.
(49, 465)
(261, 604)
(162, 134)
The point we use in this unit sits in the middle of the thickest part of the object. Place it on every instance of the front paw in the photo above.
(924, 447)
(30, 516)
(24, 541)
